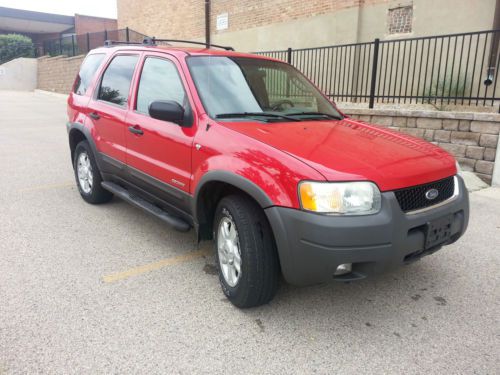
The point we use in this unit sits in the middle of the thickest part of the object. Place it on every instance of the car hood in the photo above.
(347, 150)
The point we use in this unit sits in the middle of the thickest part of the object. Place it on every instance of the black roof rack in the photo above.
(110, 43)
(152, 42)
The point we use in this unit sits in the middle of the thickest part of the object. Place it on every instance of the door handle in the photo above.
(136, 129)
(94, 115)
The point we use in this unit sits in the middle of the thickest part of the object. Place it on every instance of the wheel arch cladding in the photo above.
(75, 137)
(215, 185)
(77, 133)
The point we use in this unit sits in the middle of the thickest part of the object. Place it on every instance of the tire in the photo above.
(256, 282)
(89, 185)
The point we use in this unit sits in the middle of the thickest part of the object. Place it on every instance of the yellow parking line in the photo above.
(155, 266)
(48, 187)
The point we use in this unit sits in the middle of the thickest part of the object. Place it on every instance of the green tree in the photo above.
(13, 46)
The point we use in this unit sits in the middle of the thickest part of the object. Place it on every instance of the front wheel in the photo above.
(246, 254)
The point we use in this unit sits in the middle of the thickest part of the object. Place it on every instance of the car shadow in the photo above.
(402, 293)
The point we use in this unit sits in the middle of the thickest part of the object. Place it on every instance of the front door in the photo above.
(159, 152)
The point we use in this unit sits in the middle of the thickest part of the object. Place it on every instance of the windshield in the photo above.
(232, 87)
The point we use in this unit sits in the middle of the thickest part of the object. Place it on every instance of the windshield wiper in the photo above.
(254, 114)
(333, 117)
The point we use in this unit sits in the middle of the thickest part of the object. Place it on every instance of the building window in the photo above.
(400, 20)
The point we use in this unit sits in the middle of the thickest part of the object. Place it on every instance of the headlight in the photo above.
(342, 198)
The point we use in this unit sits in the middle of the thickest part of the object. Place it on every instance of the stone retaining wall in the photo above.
(57, 74)
(471, 137)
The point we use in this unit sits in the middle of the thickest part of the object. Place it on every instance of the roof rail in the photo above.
(110, 43)
(152, 41)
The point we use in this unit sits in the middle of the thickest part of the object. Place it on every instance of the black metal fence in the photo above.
(458, 69)
(73, 45)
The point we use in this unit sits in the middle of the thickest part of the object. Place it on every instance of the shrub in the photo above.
(13, 46)
(445, 87)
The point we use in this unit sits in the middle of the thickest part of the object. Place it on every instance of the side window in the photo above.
(87, 72)
(159, 81)
(116, 80)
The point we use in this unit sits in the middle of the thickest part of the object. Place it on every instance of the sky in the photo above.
(99, 8)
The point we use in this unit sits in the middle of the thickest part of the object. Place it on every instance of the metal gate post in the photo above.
(374, 72)
(289, 56)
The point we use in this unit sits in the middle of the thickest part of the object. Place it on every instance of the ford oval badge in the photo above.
(431, 194)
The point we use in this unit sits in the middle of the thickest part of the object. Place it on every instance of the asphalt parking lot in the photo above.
(109, 289)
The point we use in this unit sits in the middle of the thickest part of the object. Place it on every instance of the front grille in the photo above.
(413, 198)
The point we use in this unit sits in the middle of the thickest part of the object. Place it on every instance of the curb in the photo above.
(51, 93)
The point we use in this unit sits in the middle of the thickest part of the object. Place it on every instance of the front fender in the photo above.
(268, 171)
(256, 181)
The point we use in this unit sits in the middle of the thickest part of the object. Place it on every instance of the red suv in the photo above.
(249, 153)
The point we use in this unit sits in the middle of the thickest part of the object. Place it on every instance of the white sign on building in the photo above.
(222, 21)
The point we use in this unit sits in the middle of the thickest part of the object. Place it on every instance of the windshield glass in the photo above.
(238, 87)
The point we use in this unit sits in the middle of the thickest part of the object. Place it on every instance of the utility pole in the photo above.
(492, 61)
(207, 23)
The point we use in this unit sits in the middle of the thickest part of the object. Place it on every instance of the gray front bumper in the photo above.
(311, 246)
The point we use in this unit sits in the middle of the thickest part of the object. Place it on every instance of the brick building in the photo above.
(91, 24)
(255, 25)
(41, 27)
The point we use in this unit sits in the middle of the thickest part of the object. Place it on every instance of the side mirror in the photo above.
(167, 110)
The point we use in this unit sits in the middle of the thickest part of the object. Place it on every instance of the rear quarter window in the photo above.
(87, 72)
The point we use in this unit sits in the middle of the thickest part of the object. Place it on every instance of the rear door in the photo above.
(109, 105)
(161, 155)
(80, 95)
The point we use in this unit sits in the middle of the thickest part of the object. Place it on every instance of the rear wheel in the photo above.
(87, 175)
(245, 250)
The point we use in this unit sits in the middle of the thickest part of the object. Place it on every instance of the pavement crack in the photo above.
(440, 301)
